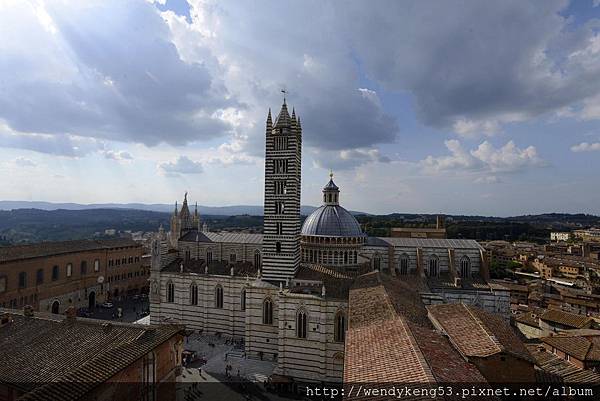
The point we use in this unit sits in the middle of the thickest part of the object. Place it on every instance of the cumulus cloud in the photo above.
(586, 147)
(348, 158)
(488, 179)
(183, 165)
(117, 155)
(24, 162)
(485, 158)
(109, 70)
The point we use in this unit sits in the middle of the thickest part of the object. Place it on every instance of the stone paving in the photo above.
(222, 354)
(210, 380)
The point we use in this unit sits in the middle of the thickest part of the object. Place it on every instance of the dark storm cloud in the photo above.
(503, 60)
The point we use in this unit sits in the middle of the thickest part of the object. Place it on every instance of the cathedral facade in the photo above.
(285, 292)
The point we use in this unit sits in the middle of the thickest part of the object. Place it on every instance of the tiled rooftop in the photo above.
(223, 236)
(563, 370)
(44, 249)
(476, 333)
(39, 352)
(425, 242)
(584, 348)
(565, 318)
(390, 338)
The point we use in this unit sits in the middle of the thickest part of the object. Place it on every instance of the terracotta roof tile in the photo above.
(476, 333)
(566, 318)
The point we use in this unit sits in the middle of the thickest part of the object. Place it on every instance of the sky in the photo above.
(457, 107)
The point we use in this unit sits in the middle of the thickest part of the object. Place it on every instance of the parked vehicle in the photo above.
(107, 305)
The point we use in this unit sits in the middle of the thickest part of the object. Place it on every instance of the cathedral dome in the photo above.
(331, 221)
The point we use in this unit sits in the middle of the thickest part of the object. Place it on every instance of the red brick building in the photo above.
(51, 276)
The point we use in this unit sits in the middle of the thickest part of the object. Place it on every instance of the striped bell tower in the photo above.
(283, 157)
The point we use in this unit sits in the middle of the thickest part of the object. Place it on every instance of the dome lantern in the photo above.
(331, 192)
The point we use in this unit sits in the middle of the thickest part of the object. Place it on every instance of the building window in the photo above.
(301, 324)
(193, 294)
(434, 265)
(96, 265)
(3, 280)
(279, 207)
(149, 377)
(340, 327)
(218, 296)
(280, 166)
(257, 259)
(39, 277)
(69, 269)
(232, 257)
(465, 267)
(403, 264)
(243, 300)
(279, 228)
(278, 247)
(209, 256)
(55, 273)
(22, 280)
(170, 292)
(280, 188)
(83, 268)
(376, 262)
(268, 311)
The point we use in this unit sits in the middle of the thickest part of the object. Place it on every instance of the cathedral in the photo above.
(285, 291)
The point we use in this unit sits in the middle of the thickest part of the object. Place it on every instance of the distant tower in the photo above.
(185, 217)
(281, 240)
(175, 228)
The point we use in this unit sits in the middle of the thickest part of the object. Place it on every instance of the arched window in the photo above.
(268, 311)
(209, 256)
(465, 267)
(69, 269)
(376, 262)
(170, 292)
(243, 300)
(345, 257)
(97, 265)
(403, 264)
(257, 259)
(355, 257)
(434, 264)
(340, 327)
(193, 294)
(278, 247)
(218, 296)
(301, 324)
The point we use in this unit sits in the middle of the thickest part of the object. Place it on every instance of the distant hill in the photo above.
(234, 210)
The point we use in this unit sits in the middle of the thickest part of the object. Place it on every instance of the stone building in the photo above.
(51, 276)
(286, 292)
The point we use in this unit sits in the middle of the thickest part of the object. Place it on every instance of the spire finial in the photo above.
(284, 94)
(331, 174)
(185, 197)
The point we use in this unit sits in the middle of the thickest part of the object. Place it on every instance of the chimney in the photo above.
(28, 311)
(71, 313)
